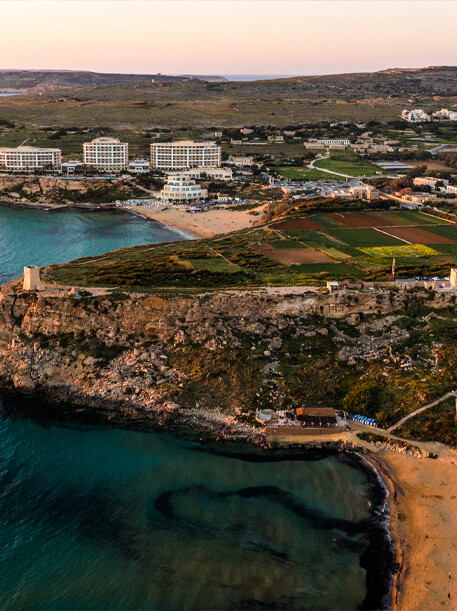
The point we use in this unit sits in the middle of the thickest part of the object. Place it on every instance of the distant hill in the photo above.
(49, 79)
(393, 83)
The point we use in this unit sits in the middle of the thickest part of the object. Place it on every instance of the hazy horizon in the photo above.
(254, 37)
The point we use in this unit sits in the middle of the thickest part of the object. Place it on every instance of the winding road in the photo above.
(311, 166)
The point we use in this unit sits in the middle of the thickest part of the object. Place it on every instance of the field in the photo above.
(293, 256)
(296, 251)
(345, 162)
(302, 173)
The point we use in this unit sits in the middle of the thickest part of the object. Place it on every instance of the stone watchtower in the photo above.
(31, 278)
(453, 277)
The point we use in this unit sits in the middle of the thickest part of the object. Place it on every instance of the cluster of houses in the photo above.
(418, 115)
(363, 145)
(353, 189)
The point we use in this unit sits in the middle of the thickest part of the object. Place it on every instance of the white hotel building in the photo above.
(182, 189)
(185, 154)
(30, 158)
(106, 154)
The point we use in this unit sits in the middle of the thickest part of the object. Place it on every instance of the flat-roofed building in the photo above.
(106, 154)
(185, 154)
(72, 167)
(202, 173)
(182, 189)
(28, 158)
(240, 160)
(139, 166)
(429, 181)
(340, 143)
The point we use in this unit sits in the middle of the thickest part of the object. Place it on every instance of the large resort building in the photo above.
(185, 154)
(106, 154)
(182, 189)
(30, 158)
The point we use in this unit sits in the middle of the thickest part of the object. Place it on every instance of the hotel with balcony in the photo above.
(106, 154)
(30, 158)
(185, 154)
(182, 189)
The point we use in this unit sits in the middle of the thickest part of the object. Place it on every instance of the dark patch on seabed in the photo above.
(377, 559)
(98, 519)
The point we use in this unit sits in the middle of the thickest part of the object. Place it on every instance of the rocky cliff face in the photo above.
(211, 359)
(49, 190)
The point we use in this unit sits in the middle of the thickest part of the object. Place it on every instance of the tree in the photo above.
(363, 399)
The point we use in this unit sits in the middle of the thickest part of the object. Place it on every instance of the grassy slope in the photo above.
(345, 162)
(302, 173)
(233, 260)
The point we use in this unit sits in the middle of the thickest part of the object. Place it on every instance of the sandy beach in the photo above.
(423, 521)
(423, 525)
(201, 224)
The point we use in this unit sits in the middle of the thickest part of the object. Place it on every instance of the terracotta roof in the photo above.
(323, 412)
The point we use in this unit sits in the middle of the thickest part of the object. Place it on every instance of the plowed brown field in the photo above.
(293, 256)
(297, 225)
(364, 221)
(416, 235)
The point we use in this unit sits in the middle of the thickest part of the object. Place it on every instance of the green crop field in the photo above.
(363, 237)
(251, 257)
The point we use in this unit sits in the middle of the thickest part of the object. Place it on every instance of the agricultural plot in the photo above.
(405, 252)
(368, 241)
(413, 217)
(295, 251)
(293, 256)
(297, 224)
(364, 237)
(417, 235)
(363, 219)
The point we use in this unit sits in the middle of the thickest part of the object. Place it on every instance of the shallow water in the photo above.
(94, 517)
(41, 237)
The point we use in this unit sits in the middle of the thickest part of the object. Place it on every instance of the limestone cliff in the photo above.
(50, 190)
(211, 358)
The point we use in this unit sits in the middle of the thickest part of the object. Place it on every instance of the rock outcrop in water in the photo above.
(210, 359)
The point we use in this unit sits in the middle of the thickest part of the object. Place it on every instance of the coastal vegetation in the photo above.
(292, 248)
(231, 353)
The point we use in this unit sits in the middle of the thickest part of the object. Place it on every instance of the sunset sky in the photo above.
(227, 37)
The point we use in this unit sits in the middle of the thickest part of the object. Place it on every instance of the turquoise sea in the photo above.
(93, 517)
(97, 517)
(41, 237)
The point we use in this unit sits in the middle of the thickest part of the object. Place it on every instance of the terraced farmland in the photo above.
(304, 250)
